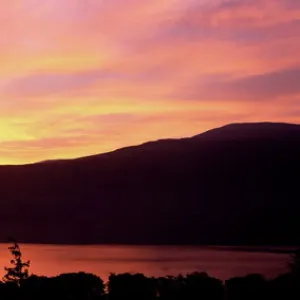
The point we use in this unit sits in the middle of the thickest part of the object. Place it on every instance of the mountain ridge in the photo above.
(173, 191)
(200, 135)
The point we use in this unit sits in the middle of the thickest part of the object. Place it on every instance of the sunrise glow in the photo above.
(80, 77)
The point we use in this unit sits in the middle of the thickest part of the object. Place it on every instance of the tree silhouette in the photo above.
(19, 269)
(294, 264)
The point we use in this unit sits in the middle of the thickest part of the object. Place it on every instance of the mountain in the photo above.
(238, 184)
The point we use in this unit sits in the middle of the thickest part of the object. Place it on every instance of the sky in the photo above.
(80, 77)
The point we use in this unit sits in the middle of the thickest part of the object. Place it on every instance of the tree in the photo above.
(19, 269)
(294, 264)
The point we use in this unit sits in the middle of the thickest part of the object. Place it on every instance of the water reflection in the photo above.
(151, 260)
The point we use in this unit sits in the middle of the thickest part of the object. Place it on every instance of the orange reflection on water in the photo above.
(51, 260)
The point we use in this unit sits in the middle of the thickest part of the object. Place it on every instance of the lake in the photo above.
(102, 260)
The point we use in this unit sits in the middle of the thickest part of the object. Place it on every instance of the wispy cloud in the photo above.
(81, 77)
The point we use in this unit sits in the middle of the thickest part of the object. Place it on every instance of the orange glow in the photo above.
(84, 77)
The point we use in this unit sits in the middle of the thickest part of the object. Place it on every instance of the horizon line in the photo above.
(140, 144)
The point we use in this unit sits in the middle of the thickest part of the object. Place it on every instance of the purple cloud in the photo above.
(50, 83)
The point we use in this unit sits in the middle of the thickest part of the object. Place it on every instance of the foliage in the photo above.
(131, 286)
(294, 263)
(19, 269)
(77, 286)
(195, 286)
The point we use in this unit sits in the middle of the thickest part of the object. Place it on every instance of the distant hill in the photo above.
(239, 184)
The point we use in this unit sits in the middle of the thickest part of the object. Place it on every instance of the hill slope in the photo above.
(238, 184)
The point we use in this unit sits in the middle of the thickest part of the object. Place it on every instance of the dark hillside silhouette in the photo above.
(238, 184)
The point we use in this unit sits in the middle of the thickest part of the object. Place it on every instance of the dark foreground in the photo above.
(83, 286)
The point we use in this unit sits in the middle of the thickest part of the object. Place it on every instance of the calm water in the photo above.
(151, 260)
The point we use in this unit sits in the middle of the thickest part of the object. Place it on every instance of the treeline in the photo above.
(17, 285)
(83, 286)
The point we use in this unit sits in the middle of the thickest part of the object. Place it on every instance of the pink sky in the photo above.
(80, 77)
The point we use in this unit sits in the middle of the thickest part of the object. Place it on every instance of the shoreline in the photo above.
(237, 248)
